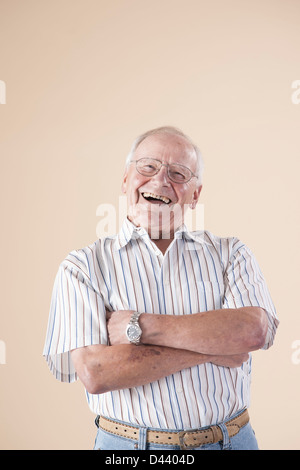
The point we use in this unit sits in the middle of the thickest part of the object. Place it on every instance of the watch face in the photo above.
(133, 332)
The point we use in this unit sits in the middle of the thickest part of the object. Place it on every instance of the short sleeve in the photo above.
(77, 316)
(245, 286)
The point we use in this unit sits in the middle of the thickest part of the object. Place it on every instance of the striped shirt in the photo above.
(199, 272)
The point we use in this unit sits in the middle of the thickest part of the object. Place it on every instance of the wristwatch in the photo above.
(133, 330)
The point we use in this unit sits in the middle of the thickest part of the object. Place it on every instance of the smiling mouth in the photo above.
(151, 197)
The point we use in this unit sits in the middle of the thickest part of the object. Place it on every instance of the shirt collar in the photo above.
(198, 236)
(130, 231)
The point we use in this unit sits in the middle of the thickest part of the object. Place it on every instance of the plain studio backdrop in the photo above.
(80, 79)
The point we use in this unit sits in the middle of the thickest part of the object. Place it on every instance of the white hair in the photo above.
(172, 131)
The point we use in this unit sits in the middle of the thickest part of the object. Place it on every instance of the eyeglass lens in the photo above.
(177, 173)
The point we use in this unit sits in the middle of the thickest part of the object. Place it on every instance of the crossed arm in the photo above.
(169, 344)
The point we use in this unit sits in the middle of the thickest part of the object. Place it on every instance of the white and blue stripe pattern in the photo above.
(199, 272)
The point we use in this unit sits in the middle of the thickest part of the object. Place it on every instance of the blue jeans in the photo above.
(244, 440)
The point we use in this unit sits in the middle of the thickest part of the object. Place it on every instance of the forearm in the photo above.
(106, 368)
(218, 332)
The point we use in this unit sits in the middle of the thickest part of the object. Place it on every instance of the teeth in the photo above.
(164, 199)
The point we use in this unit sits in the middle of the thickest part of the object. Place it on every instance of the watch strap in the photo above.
(135, 317)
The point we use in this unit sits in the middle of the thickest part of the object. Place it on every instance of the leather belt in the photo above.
(184, 439)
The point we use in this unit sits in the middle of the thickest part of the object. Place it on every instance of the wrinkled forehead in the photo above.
(167, 147)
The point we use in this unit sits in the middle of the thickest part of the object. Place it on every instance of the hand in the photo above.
(233, 361)
(116, 326)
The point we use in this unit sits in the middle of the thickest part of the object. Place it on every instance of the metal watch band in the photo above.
(135, 317)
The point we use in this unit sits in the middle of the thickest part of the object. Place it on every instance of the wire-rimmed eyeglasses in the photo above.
(151, 166)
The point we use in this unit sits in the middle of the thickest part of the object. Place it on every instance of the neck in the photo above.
(162, 243)
(161, 237)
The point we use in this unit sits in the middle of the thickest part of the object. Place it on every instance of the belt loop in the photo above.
(226, 440)
(142, 438)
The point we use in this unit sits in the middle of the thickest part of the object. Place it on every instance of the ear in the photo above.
(195, 198)
(124, 182)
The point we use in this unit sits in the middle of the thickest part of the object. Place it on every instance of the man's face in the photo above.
(157, 215)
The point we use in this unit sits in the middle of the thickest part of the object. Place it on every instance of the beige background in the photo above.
(83, 79)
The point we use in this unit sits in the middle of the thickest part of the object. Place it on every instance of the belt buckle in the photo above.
(182, 444)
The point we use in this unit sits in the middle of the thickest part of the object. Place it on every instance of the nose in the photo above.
(162, 174)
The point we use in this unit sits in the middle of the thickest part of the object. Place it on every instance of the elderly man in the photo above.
(159, 322)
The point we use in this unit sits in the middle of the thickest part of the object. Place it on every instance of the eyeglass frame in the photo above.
(164, 164)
